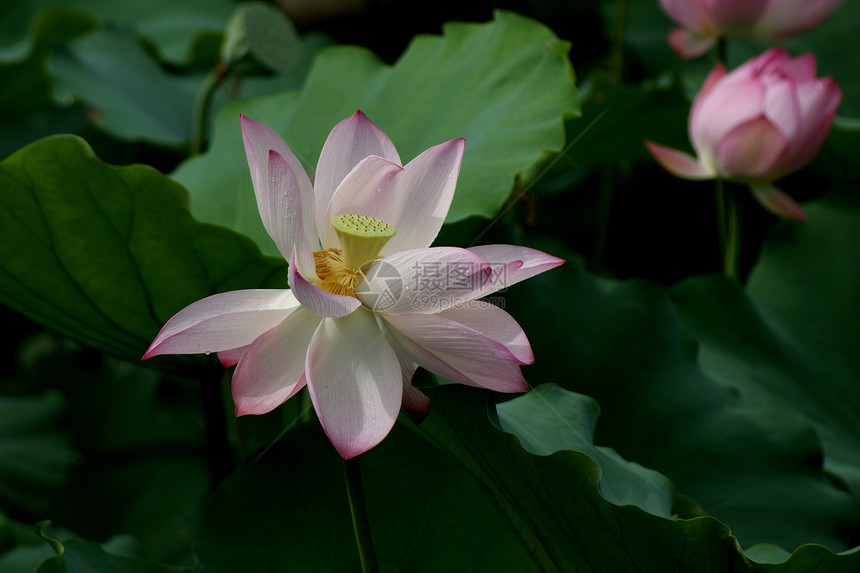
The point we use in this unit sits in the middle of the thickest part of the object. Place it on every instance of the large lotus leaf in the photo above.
(128, 94)
(795, 333)
(132, 97)
(549, 419)
(24, 82)
(107, 254)
(505, 86)
(172, 27)
(288, 510)
(754, 463)
(553, 504)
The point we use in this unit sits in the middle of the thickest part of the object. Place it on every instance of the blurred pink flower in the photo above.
(704, 21)
(763, 120)
(369, 301)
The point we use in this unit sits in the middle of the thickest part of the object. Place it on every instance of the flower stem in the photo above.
(728, 221)
(201, 107)
(727, 205)
(360, 524)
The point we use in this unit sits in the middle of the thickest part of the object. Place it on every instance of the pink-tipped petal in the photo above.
(282, 214)
(423, 280)
(259, 141)
(442, 334)
(417, 200)
(349, 142)
(360, 193)
(818, 103)
(750, 150)
(495, 324)
(512, 264)
(801, 69)
(689, 44)
(355, 382)
(231, 357)
(777, 202)
(223, 322)
(319, 301)
(678, 163)
(272, 370)
(457, 352)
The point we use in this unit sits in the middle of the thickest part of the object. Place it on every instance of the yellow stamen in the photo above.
(333, 273)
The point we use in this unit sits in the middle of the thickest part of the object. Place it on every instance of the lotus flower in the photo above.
(704, 21)
(369, 300)
(764, 120)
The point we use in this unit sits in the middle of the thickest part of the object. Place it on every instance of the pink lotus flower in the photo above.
(704, 21)
(369, 301)
(764, 120)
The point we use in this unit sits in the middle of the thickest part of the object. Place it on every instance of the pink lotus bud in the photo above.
(764, 120)
(703, 21)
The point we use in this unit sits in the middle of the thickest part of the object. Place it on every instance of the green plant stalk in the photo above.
(358, 510)
(728, 218)
(728, 223)
(202, 102)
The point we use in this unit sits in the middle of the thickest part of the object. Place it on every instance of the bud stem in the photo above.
(728, 221)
